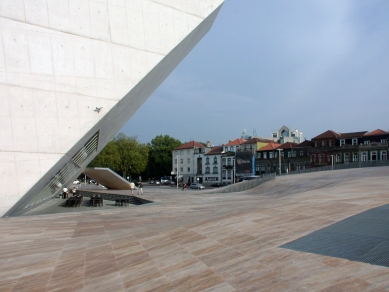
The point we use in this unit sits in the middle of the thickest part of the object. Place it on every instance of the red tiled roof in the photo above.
(327, 134)
(235, 142)
(376, 132)
(306, 143)
(190, 145)
(215, 150)
(270, 146)
(352, 135)
(255, 140)
(288, 145)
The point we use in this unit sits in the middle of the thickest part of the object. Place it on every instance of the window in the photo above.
(384, 141)
(293, 153)
(215, 169)
(180, 152)
(346, 157)
(384, 155)
(224, 174)
(275, 135)
(182, 160)
(341, 142)
(264, 155)
(207, 170)
(188, 169)
(313, 158)
(282, 153)
(355, 156)
(320, 158)
(229, 174)
(187, 152)
(181, 169)
(354, 141)
(289, 154)
(323, 143)
(364, 156)
(188, 160)
(207, 160)
(315, 144)
(301, 153)
(226, 149)
(270, 154)
(374, 155)
(330, 143)
(176, 153)
(338, 158)
(231, 148)
(215, 160)
(259, 155)
(367, 142)
(276, 154)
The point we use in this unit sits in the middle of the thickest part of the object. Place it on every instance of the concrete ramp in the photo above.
(107, 177)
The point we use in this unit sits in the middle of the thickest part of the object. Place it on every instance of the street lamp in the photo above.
(279, 160)
(177, 171)
(332, 162)
(233, 173)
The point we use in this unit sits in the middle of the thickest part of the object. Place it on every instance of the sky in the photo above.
(312, 66)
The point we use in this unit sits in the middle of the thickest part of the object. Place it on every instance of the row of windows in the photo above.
(266, 155)
(342, 142)
(338, 157)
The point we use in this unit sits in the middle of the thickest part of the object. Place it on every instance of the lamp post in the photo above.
(279, 160)
(177, 171)
(332, 162)
(233, 170)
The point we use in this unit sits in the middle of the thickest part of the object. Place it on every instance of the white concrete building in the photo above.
(72, 72)
(285, 134)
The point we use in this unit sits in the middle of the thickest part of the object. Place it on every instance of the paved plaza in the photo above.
(197, 240)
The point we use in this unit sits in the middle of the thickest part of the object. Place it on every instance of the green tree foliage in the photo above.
(124, 155)
(160, 158)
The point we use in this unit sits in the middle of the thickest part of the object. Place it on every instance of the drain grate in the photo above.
(363, 237)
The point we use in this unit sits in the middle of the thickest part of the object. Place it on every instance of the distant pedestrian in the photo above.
(65, 193)
(74, 191)
(140, 188)
(184, 187)
(132, 187)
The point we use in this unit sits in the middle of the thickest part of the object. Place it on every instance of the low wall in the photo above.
(245, 185)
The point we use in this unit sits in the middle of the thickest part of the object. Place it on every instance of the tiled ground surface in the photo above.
(198, 241)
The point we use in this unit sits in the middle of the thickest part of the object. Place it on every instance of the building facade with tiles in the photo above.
(71, 75)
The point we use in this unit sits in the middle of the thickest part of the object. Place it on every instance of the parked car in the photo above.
(219, 185)
(196, 186)
(250, 177)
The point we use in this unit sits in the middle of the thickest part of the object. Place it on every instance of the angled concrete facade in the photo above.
(72, 72)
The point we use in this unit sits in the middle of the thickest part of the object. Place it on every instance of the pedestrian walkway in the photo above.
(198, 241)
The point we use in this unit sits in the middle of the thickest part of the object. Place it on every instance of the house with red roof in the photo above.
(332, 147)
(187, 161)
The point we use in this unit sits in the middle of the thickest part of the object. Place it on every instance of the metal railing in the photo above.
(347, 165)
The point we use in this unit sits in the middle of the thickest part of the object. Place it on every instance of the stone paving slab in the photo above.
(198, 241)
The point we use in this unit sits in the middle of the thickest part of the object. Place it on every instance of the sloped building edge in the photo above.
(108, 126)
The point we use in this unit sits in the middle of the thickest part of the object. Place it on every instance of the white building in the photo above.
(285, 134)
(188, 161)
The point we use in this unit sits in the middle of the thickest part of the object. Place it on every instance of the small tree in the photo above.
(160, 159)
(123, 154)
